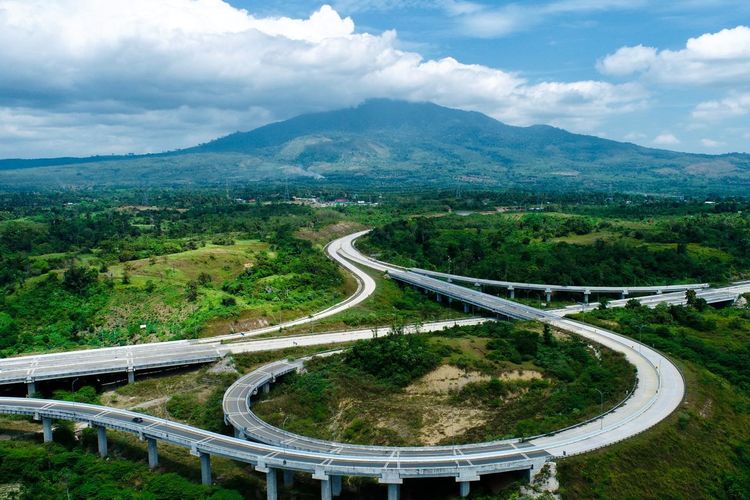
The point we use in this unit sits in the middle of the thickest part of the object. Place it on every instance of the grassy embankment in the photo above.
(463, 385)
(703, 449)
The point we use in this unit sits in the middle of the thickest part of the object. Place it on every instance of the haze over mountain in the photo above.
(400, 144)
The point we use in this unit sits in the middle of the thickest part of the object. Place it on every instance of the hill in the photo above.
(388, 143)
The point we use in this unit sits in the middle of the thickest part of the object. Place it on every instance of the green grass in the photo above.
(514, 384)
(46, 316)
(390, 304)
(703, 449)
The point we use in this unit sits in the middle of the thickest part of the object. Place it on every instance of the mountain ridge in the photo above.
(384, 142)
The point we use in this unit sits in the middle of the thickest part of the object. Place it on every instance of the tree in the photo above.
(191, 291)
(77, 279)
(633, 304)
(8, 331)
(547, 336)
(691, 297)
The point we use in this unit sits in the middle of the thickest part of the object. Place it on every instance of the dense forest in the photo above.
(550, 247)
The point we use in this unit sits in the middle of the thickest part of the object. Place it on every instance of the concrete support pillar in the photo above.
(325, 490)
(511, 292)
(464, 487)
(30, 388)
(153, 455)
(394, 491)
(266, 388)
(624, 294)
(548, 295)
(586, 297)
(535, 469)
(239, 434)
(205, 469)
(101, 438)
(658, 292)
(466, 308)
(438, 297)
(271, 484)
(336, 485)
(288, 478)
(47, 429)
(131, 376)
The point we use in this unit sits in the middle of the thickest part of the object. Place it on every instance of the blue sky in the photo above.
(137, 76)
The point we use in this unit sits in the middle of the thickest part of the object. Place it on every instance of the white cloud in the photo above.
(666, 139)
(485, 21)
(710, 143)
(628, 60)
(736, 104)
(712, 58)
(91, 76)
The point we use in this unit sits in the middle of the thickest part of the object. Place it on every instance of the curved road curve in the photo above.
(659, 391)
(365, 288)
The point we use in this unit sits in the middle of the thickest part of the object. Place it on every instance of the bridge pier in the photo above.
(394, 491)
(238, 433)
(438, 298)
(623, 294)
(464, 487)
(336, 485)
(266, 388)
(153, 455)
(131, 376)
(30, 388)
(464, 483)
(271, 484)
(511, 292)
(288, 478)
(101, 438)
(325, 489)
(47, 429)
(586, 296)
(205, 468)
(466, 308)
(548, 295)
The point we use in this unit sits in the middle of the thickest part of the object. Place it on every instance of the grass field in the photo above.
(703, 449)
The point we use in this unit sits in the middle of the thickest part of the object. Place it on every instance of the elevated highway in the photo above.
(660, 389)
(512, 286)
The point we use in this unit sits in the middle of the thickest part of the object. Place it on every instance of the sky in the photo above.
(84, 77)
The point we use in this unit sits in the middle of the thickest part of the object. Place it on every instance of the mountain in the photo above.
(389, 143)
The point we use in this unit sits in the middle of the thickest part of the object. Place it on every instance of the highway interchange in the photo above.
(659, 391)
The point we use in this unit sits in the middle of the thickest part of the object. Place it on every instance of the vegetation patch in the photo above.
(703, 449)
(548, 248)
(465, 384)
(99, 297)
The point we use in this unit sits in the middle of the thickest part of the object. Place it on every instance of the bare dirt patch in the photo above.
(444, 379)
(521, 375)
(442, 422)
